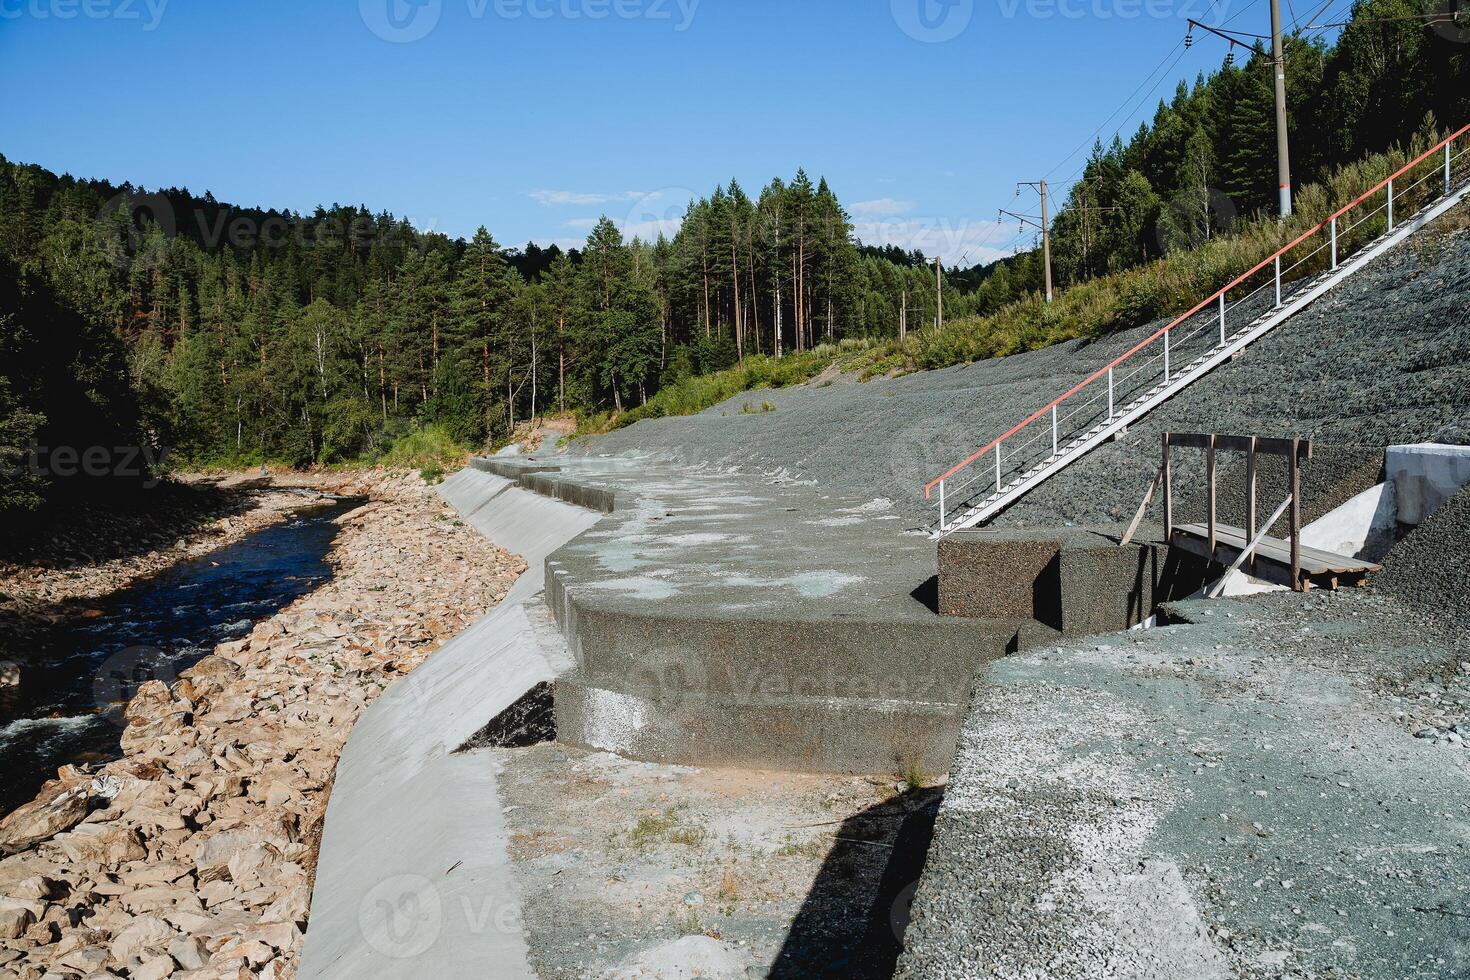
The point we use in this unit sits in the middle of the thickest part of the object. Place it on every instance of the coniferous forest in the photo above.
(236, 335)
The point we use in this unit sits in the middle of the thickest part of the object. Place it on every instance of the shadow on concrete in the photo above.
(852, 922)
(530, 721)
(927, 594)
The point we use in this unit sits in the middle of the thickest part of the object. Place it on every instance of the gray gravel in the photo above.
(1243, 795)
(1383, 359)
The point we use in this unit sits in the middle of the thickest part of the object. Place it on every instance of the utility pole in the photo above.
(1278, 70)
(1283, 151)
(939, 294)
(1040, 223)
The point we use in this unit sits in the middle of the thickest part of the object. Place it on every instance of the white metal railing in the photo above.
(1145, 370)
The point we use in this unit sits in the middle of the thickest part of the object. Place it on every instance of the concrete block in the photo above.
(1001, 574)
(1425, 476)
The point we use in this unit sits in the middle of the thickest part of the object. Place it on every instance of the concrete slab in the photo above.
(718, 618)
(1425, 476)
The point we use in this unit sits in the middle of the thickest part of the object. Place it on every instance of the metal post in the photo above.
(1053, 430)
(1166, 357)
(1250, 500)
(1210, 484)
(1222, 319)
(1046, 240)
(1278, 281)
(1110, 394)
(941, 505)
(997, 467)
(1296, 517)
(1168, 480)
(1334, 241)
(1447, 165)
(1390, 205)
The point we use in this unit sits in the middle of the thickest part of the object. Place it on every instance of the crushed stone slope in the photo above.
(1383, 359)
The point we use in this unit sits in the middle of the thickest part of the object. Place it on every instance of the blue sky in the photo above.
(533, 117)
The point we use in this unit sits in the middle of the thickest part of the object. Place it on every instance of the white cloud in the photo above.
(586, 224)
(962, 243)
(883, 207)
(562, 198)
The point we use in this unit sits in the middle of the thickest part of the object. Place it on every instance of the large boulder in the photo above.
(107, 844)
(60, 806)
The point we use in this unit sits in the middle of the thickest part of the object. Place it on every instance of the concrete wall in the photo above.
(414, 876)
(1073, 580)
(1425, 476)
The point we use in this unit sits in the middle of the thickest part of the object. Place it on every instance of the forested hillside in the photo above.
(235, 335)
(312, 338)
(1207, 160)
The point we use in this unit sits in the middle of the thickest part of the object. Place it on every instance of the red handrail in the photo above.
(1203, 303)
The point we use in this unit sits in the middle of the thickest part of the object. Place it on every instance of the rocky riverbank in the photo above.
(193, 855)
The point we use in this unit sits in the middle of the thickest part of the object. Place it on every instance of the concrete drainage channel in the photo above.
(717, 628)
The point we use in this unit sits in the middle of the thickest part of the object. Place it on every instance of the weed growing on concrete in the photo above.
(915, 774)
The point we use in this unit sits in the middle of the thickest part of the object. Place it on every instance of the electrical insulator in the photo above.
(1230, 58)
(1189, 38)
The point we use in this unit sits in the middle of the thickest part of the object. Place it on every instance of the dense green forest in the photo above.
(314, 338)
(234, 335)
(1207, 160)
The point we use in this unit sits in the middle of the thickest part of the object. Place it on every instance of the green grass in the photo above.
(430, 450)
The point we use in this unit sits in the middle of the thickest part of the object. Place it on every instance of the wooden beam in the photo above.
(1210, 483)
(1302, 448)
(1142, 508)
(1296, 518)
(1250, 500)
(1250, 552)
(1168, 494)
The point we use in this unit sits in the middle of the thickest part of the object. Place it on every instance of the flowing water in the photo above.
(68, 706)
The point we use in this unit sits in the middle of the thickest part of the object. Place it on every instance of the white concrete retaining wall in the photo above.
(414, 876)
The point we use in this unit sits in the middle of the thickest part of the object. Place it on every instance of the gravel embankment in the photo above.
(1383, 359)
(193, 855)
